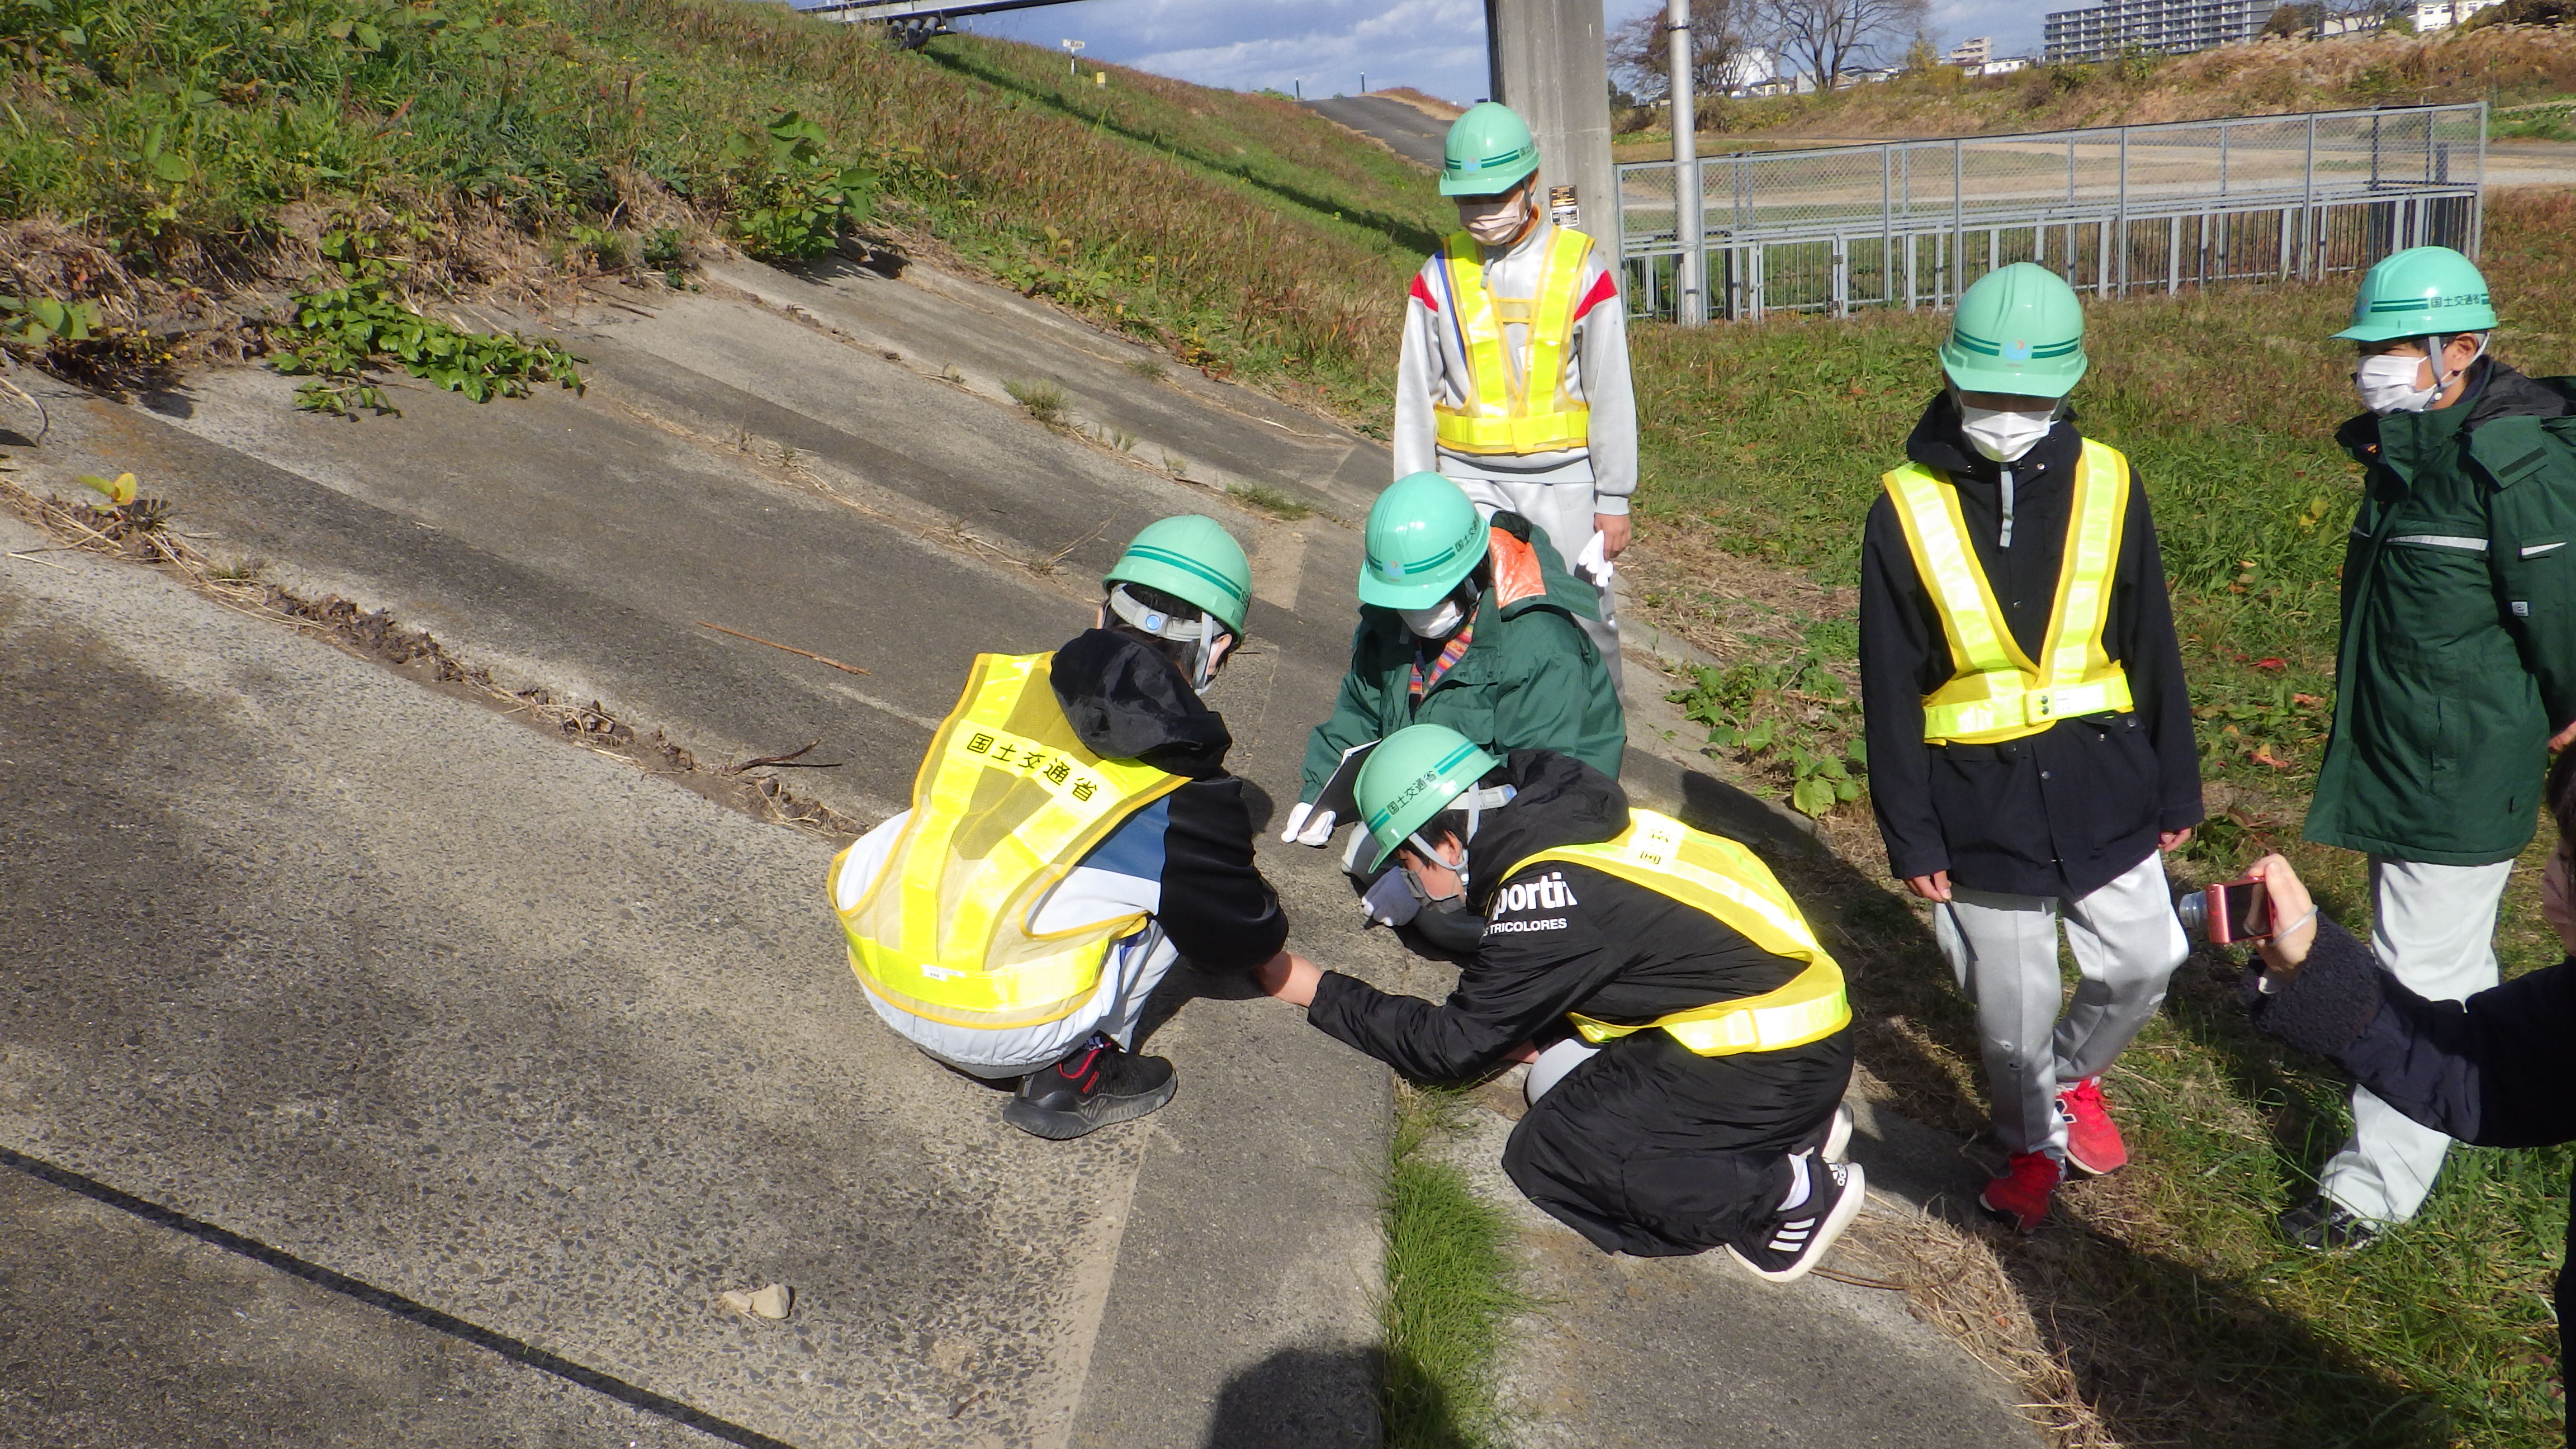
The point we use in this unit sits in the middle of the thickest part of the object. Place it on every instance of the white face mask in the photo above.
(1437, 622)
(2387, 385)
(1496, 223)
(2003, 437)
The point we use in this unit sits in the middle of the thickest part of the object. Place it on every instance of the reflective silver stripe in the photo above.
(2538, 549)
(2442, 540)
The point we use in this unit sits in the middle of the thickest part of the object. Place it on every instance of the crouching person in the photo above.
(1073, 831)
(1469, 620)
(1692, 1040)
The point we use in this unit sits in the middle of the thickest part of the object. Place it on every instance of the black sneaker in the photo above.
(1097, 1083)
(2322, 1225)
(1798, 1240)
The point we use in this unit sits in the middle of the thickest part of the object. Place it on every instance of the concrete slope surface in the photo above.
(551, 1046)
(1405, 130)
(397, 985)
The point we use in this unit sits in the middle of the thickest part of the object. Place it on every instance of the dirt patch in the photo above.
(135, 533)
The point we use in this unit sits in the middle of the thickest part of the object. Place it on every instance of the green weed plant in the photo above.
(1792, 719)
(336, 333)
(791, 200)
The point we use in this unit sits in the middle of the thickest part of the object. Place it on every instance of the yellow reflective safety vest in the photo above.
(1007, 803)
(1515, 410)
(1713, 874)
(1998, 693)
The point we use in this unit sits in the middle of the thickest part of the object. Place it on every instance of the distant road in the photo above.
(1408, 132)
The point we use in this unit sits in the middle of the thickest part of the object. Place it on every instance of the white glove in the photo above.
(1391, 902)
(1594, 562)
(1308, 825)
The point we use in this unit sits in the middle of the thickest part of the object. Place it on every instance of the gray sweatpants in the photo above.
(2003, 949)
(1564, 510)
(2434, 929)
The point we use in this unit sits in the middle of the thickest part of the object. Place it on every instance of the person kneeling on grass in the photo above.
(1073, 832)
(2491, 1071)
(1689, 1040)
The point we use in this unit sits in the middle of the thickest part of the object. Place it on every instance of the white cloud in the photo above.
(1433, 45)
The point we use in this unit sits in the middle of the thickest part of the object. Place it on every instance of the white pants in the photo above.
(2003, 950)
(2434, 929)
(1564, 510)
(1135, 967)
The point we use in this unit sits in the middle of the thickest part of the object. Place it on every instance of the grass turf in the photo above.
(1450, 1290)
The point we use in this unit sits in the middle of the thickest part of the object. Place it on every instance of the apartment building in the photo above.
(2164, 27)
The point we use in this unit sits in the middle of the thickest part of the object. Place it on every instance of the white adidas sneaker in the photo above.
(1792, 1244)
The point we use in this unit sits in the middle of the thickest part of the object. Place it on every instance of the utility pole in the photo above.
(1547, 62)
(1690, 288)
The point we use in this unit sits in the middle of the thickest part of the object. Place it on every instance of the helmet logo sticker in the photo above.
(2016, 351)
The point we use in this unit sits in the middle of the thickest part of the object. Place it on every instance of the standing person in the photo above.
(1697, 1039)
(2030, 742)
(2456, 667)
(1073, 831)
(1513, 378)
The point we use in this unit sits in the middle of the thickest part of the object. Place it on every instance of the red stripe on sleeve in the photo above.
(1422, 293)
(1603, 290)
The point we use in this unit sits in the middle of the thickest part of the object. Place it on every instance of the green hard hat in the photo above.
(1489, 150)
(1411, 776)
(2420, 292)
(2018, 329)
(1193, 559)
(1423, 536)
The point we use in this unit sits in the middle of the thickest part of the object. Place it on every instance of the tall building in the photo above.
(2433, 15)
(1972, 53)
(2164, 27)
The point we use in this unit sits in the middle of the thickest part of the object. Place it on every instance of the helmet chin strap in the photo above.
(1477, 803)
(1203, 632)
(2435, 346)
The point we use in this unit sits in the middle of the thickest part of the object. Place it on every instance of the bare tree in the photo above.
(1720, 37)
(1826, 36)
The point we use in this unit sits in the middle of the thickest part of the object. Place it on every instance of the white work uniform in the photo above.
(1088, 895)
(1559, 491)
(2433, 927)
(2003, 949)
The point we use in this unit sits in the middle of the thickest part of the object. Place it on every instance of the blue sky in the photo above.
(1434, 45)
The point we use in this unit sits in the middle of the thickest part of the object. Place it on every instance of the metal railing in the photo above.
(2114, 210)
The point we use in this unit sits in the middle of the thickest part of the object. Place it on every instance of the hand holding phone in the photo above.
(2224, 914)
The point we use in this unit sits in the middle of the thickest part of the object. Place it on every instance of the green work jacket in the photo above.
(1530, 679)
(2458, 653)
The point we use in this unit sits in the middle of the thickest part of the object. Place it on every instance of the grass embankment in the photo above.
(2183, 1317)
(162, 157)
(2505, 65)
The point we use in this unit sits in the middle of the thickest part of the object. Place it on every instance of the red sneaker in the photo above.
(2021, 1195)
(2093, 1145)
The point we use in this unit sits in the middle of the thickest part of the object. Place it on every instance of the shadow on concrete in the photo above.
(1297, 1399)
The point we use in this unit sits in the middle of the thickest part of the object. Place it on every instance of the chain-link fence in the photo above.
(2113, 210)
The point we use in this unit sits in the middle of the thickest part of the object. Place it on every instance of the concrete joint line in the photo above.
(408, 1309)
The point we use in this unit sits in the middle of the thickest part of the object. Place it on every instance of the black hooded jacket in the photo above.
(1647, 1148)
(2060, 813)
(1127, 702)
